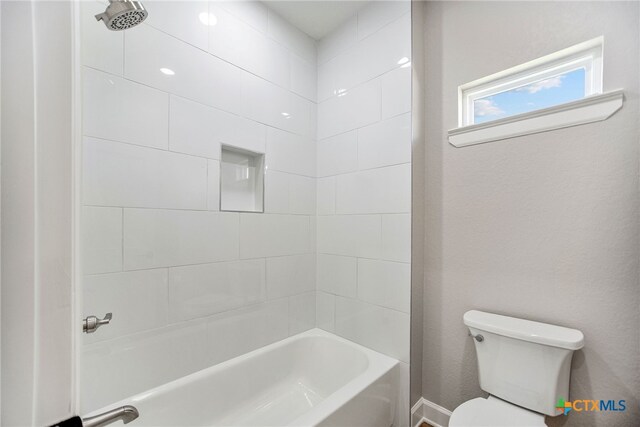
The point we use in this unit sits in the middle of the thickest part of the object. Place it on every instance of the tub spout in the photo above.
(126, 413)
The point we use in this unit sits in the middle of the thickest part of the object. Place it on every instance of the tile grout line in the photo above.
(209, 53)
(357, 128)
(357, 38)
(122, 239)
(180, 323)
(208, 189)
(179, 153)
(237, 114)
(214, 211)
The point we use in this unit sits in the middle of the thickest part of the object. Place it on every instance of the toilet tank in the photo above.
(523, 362)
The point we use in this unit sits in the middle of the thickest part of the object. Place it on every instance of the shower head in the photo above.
(123, 14)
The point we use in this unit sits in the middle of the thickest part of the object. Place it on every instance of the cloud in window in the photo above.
(486, 107)
(542, 84)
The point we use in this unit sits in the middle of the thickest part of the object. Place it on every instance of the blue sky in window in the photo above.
(545, 93)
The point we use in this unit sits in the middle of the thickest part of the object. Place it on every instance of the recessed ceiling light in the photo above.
(167, 71)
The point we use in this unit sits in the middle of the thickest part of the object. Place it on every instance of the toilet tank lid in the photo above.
(526, 330)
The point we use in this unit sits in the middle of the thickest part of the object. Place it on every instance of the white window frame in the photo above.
(587, 55)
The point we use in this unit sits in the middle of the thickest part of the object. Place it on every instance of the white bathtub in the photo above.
(311, 379)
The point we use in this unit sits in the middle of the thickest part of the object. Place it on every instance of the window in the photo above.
(556, 91)
(565, 76)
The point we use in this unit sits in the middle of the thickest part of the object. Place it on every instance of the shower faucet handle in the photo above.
(92, 323)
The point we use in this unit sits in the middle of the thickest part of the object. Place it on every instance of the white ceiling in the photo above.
(314, 17)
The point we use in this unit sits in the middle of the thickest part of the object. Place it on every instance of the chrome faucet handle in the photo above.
(125, 413)
(92, 323)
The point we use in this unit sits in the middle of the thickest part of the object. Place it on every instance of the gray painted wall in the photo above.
(543, 227)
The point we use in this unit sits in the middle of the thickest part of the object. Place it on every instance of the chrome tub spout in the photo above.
(126, 413)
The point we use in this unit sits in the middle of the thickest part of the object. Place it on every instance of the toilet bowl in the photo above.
(524, 366)
(494, 412)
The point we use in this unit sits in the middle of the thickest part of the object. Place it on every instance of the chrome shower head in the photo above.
(123, 14)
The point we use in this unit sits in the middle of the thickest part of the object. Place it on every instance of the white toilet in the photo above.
(523, 365)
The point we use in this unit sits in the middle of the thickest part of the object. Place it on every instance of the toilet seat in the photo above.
(494, 412)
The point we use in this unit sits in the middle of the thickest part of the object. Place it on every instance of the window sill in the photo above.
(594, 108)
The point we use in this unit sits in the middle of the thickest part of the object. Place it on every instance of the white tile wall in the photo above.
(338, 74)
(383, 47)
(337, 275)
(252, 12)
(379, 328)
(339, 40)
(313, 239)
(217, 285)
(181, 20)
(239, 331)
(275, 106)
(396, 237)
(290, 275)
(199, 130)
(351, 235)
(291, 37)
(314, 121)
(326, 195)
(101, 49)
(238, 42)
(364, 189)
(384, 50)
(116, 174)
(163, 238)
(302, 195)
(269, 235)
(121, 294)
(325, 311)
(213, 185)
(384, 283)
(276, 192)
(396, 92)
(206, 289)
(302, 312)
(159, 101)
(303, 77)
(147, 51)
(350, 110)
(121, 110)
(385, 143)
(287, 152)
(382, 190)
(135, 363)
(338, 154)
(378, 14)
(102, 240)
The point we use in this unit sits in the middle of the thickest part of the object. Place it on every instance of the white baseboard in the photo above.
(429, 412)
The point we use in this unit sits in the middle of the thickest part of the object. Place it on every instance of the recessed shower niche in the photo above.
(241, 180)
